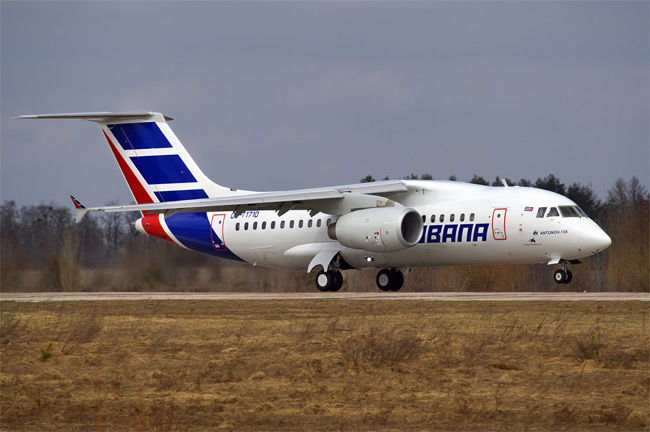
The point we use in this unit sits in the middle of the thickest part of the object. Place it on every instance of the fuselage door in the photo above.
(216, 233)
(499, 224)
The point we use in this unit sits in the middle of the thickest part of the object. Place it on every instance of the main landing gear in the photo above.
(563, 275)
(331, 280)
(390, 280)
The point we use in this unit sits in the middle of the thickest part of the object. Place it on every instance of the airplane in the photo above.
(391, 225)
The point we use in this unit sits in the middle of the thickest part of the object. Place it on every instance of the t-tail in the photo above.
(154, 163)
(157, 169)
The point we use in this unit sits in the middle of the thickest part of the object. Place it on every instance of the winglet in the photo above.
(81, 209)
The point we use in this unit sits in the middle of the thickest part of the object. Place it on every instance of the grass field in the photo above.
(324, 365)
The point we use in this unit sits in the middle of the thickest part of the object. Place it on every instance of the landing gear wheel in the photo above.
(337, 283)
(399, 280)
(324, 280)
(563, 276)
(384, 280)
(560, 276)
(390, 280)
(329, 280)
(569, 276)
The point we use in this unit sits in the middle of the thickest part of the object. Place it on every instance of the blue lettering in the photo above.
(453, 233)
(449, 233)
(467, 227)
(480, 231)
(434, 234)
(246, 214)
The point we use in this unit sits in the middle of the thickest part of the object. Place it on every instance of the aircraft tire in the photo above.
(324, 281)
(560, 276)
(569, 276)
(337, 281)
(384, 279)
(398, 280)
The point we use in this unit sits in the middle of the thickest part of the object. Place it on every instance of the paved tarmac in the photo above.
(430, 296)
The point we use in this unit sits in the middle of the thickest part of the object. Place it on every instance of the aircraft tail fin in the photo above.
(154, 163)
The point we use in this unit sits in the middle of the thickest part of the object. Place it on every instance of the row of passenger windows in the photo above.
(292, 224)
(452, 218)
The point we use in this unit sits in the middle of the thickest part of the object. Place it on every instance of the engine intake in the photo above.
(387, 229)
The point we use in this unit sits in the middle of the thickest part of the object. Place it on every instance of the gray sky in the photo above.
(284, 95)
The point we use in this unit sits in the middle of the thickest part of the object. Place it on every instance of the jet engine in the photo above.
(387, 229)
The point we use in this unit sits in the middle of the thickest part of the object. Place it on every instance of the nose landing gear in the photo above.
(563, 275)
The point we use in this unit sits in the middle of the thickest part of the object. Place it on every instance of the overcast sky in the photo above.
(284, 95)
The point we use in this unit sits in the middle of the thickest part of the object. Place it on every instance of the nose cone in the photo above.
(597, 239)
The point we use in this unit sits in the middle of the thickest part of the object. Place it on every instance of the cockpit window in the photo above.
(569, 211)
(552, 212)
(541, 211)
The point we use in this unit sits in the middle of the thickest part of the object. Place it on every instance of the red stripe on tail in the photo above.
(139, 193)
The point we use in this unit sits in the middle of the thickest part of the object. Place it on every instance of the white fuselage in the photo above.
(464, 224)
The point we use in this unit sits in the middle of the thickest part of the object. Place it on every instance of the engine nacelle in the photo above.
(387, 229)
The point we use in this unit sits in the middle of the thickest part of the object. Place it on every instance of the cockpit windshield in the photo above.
(566, 211)
(572, 211)
(552, 212)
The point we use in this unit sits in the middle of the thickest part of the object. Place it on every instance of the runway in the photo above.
(430, 296)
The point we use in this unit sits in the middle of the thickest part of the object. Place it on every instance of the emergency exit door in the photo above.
(499, 224)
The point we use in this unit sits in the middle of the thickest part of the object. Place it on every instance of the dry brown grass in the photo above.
(324, 365)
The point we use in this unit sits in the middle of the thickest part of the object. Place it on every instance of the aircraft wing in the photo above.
(335, 200)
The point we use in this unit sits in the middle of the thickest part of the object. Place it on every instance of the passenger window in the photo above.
(462, 217)
(282, 225)
(291, 224)
(263, 225)
(300, 223)
(433, 218)
(329, 222)
(442, 218)
(471, 217)
(424, 219)
(273, 225)
(318, 222)
(246, 226)
(237, 227)
(541, 211)
(552, 212)
(309, 223)
(254, 225)
(452, 217)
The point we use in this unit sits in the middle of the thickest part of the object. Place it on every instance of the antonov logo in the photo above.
(454, 233)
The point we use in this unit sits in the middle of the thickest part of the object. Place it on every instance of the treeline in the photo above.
(43, 249)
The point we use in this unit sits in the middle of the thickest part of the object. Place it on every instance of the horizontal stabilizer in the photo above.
(100, 117)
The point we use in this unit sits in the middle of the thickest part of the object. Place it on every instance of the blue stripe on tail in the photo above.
(163, 169)
(181, 195)
(139, 136)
